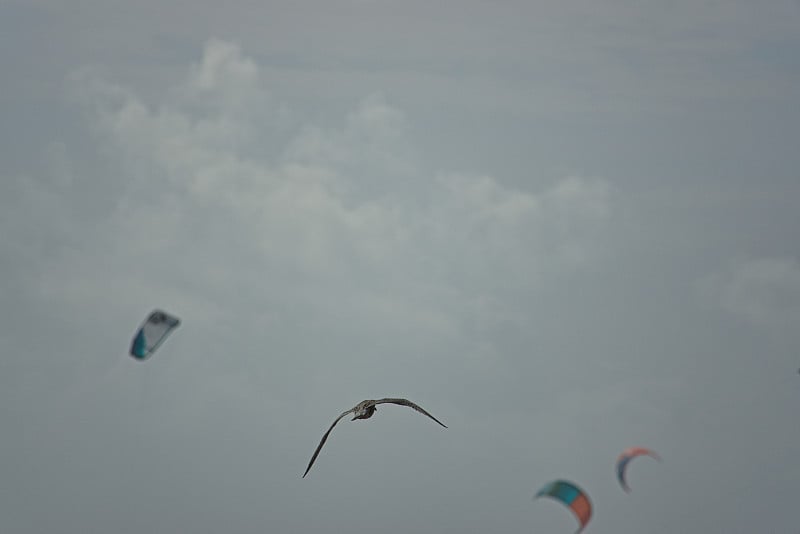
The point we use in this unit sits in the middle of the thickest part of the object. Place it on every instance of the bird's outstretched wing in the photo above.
(406, 402)
(324, 439)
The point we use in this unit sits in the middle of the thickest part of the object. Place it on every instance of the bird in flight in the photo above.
(364, 410)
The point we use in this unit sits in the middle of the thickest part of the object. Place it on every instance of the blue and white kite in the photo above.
(152, 333)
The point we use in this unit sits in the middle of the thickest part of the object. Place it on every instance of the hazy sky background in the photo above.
(564, 228)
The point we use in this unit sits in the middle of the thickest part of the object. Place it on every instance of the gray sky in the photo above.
(562, 228)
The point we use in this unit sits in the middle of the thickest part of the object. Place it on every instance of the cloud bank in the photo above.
(322, 214)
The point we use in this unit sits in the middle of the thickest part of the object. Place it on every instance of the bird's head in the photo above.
(364, 413)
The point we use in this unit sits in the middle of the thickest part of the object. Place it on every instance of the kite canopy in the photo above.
(152, 333)
(571, 495)
(624, 459)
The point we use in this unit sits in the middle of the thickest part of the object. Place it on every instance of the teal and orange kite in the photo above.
(571, 495)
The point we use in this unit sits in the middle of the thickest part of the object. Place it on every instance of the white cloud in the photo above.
(764, 291)
(224, 66)
(337, 215)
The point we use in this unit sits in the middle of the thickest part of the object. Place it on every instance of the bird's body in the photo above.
(364, 410)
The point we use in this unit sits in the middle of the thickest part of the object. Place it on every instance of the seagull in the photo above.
(364, 410)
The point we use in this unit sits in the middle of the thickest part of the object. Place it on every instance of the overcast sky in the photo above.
(563, 228)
